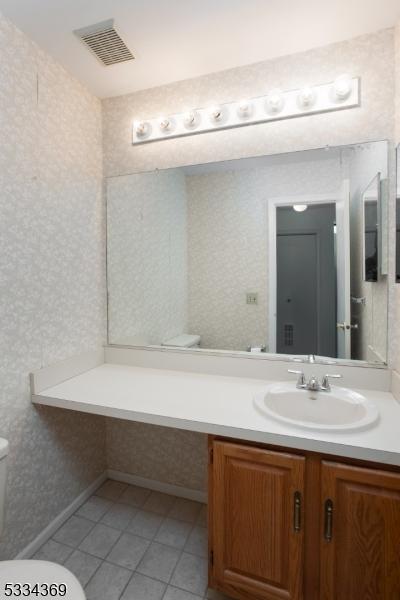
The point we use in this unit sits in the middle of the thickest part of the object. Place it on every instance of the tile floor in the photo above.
(129, 543)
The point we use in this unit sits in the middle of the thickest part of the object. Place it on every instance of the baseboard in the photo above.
(158, 486)
(48, 532)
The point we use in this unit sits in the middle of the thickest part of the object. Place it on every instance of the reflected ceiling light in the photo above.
(299, 207)
(274, 102)
(245, 109)
(307, 97)
(191, 119)
(342, 87)
(142, 128)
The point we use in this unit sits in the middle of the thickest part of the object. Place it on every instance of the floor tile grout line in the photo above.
(79, 546)
(131, 519)
(94, 573)
(127, 583)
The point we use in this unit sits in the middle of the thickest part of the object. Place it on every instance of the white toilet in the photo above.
(60, 582)
(185, 340)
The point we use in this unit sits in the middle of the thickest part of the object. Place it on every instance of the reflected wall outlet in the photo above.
(252, 298)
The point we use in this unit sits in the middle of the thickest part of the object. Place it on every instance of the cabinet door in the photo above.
(257, 522)
(360, 556)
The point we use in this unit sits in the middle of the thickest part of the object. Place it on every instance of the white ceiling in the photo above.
(179, 39)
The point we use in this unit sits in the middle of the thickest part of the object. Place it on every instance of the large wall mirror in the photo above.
(282, 254)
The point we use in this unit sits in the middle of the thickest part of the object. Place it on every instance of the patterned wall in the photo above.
(396, 311)
(159, 453)
(147, 257)
(52, 278)
(370, 56)
(397, 80)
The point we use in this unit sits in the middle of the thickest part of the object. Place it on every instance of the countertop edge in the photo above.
(251, 435)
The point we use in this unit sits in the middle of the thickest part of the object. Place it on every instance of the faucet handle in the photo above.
(325, 385)
(301, 381)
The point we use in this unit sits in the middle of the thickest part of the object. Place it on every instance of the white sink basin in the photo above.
(338, 410)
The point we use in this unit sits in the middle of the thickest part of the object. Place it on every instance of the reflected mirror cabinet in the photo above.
(274, 255)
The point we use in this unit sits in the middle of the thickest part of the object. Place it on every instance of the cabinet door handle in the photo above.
(328, 520)
(297, 512)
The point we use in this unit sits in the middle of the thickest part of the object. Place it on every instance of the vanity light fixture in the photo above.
(342, 87)
(245, 109)
(191, 119)
(307, 97)
(141, 128)
(216, 114)
(343, 93)
(165, 124)
(299, 207)
(275, 101)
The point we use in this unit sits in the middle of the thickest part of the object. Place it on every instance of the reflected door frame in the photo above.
(341, 199)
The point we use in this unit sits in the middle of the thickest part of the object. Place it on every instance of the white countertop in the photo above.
(217, 405)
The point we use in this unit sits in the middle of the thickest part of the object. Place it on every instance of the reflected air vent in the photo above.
(288, 334)
(104, 41)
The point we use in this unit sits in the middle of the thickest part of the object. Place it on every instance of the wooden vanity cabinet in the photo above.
(257, 533)
(360, 549)
(289, 526)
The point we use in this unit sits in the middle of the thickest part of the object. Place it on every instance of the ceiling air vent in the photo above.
(105, 42)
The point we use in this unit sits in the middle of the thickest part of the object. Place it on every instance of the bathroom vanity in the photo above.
(291, 524)
(293, 513)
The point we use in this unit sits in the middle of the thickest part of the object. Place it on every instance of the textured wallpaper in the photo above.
(397, 80)
(52, 301)
(228, 244)
(147, 257)
(160, 453)
(396, 311)
(370, 56)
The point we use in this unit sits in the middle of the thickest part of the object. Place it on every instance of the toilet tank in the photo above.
(3, 480)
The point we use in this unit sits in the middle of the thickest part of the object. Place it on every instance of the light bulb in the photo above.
(275, 101)
(307, 97)
(191, 119)
(342, 87)
(216, 114)
(165, 124)
(244, 109)
(299, 207)
(142, 128)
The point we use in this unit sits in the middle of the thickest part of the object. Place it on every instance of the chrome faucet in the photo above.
(313, 384)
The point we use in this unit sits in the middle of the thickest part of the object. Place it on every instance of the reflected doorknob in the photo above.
(346, 326)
